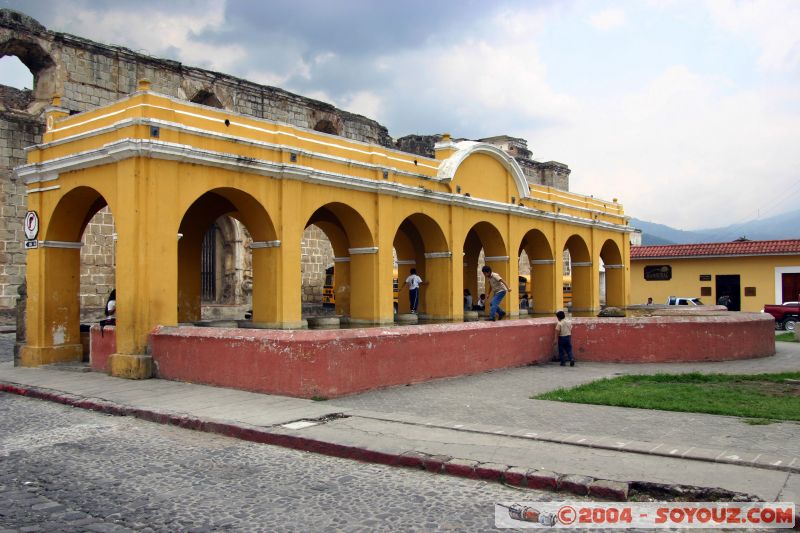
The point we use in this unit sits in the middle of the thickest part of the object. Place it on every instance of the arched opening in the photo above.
(79, 271)
(226, 270)
(214, 215)
(318, 271)
(98, 264)
(537, 268)
(16, 92)
(419, 243)
(208, 98)
(580, 269)
(612, 284)
(354, 259)
(326, 126)
(484, 245)
(41, 68)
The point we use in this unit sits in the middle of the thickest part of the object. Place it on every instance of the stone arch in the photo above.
(208, 98)
(225, 250)
(581, 269)
(355, 258)
(326, 126)
(545, 285)
(485, 237)
(39, 62)
(420, 243)
(196, 221)
(614, 267)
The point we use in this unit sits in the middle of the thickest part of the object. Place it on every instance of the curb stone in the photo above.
(575, 484)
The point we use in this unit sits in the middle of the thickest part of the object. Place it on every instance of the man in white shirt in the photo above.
(413, 282)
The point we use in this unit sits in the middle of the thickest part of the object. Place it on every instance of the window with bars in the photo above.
(208, 269)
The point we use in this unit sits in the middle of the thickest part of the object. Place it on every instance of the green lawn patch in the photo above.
(785, 337)
(757, 397)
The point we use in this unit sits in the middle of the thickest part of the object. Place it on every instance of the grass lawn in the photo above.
(759, 396)
(785, 337)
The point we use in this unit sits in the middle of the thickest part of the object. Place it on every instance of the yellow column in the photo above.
(53, 312)
(147, 261)
(364, 276)
(439, 294)
(286, 275)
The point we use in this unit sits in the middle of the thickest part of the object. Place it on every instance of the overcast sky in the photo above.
(687, 111)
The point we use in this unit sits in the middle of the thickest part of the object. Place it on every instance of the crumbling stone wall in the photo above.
(317, 256)
(17, 130)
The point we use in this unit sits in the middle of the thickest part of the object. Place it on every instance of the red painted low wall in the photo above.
(670, 339)
(102, 345)
(333, 363)
(337, 362)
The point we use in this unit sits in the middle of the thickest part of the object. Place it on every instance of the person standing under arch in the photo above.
(499, 288)
(413, 281)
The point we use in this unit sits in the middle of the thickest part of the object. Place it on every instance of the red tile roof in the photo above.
(713, 249)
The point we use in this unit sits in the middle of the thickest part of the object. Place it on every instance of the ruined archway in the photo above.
(208, 98)
(226, 270)
(41, 66)
(326, 126)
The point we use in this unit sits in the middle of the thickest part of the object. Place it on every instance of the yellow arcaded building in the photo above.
(751, 273)
(167, 168)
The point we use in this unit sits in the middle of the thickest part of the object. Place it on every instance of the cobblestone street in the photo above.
(65, 469)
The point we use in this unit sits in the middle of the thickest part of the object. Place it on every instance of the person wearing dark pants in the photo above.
(498, 288)
(413, 282)
(564, 339)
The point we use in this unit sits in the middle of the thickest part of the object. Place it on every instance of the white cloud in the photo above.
(685, 149)
(364, 103)
(478, 86)
(161, 34)
(608, 19)
(772, 25)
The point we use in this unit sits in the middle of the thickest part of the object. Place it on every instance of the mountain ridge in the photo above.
(782, 226)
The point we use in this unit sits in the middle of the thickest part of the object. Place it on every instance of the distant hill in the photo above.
(783, 226)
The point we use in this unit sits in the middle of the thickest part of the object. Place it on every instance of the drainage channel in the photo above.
(309, 422)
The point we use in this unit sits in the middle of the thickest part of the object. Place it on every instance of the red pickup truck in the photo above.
(786, 315)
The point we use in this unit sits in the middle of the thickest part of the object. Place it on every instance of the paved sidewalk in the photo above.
(482, 426)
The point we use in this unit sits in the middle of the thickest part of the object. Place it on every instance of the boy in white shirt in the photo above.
(413, 282)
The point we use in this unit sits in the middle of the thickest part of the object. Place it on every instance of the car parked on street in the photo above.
(786, 315)
(677, 300)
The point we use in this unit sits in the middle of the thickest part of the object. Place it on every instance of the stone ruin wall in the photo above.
(88, 74)
(317, 255)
